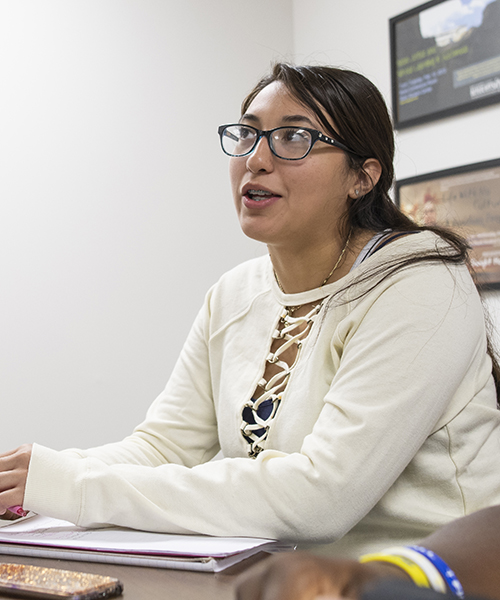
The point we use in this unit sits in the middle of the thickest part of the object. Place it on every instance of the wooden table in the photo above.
(144, 583)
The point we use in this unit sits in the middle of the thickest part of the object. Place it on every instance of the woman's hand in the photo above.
(13, 474)
(301, 576)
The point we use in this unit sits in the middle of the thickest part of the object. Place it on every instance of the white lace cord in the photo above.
(274, 388)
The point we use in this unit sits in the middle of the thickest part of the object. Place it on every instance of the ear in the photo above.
(367, 178)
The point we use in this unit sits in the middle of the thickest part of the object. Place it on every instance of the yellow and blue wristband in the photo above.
(436, 581)
(424, 567)
(415, 572)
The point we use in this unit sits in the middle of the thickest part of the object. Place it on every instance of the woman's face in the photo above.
(307, 197)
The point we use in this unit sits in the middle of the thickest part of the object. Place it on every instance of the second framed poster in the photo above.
(466, 199)
(445, 59)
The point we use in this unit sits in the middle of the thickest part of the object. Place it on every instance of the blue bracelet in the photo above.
(447, 574)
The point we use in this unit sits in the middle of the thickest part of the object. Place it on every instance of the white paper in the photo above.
(54, 533)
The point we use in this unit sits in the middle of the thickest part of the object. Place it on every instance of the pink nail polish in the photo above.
(18, 510)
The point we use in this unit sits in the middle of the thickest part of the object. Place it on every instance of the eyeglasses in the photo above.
(288, 143)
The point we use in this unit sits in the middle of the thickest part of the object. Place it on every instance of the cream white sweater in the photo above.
(388, 427)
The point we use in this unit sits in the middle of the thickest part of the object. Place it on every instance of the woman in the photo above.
(345, 377)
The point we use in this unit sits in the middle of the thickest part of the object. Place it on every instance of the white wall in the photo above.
(115, 211)
(355, 34)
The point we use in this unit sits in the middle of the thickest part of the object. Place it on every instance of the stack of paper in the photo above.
(51, 538)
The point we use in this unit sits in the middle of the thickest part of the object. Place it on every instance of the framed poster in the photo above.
(466, 199)
(445, 59)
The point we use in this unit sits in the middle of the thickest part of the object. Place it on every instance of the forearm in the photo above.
(209, 498)
(136, 449)
(462, 555)
(471, 547)
(173, 497)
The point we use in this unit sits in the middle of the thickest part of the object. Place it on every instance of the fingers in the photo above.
(16, 459)
(13, 474)
(9, 516)
(11, 491)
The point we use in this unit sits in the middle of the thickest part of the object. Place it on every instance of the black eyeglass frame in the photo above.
(314, 133)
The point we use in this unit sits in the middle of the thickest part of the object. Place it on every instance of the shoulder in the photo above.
(238, 287)
(401, 250)
(411, 244)
(420, 263)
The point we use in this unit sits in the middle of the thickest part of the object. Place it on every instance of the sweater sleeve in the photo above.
(404, 352)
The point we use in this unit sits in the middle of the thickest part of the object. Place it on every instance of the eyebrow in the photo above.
(286, 119)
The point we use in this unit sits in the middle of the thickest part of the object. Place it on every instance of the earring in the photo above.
(357, 192)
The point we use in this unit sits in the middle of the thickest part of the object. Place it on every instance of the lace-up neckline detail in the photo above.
(259, 413)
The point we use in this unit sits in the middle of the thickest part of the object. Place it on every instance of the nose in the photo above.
(261, 158)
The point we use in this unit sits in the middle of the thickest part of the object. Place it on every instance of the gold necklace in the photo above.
(292, 309)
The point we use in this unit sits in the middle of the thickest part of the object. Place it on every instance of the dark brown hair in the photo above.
(362, 123)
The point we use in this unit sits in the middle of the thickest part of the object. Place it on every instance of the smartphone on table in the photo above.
(28, 581)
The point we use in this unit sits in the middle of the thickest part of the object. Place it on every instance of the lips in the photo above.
(256, 194)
